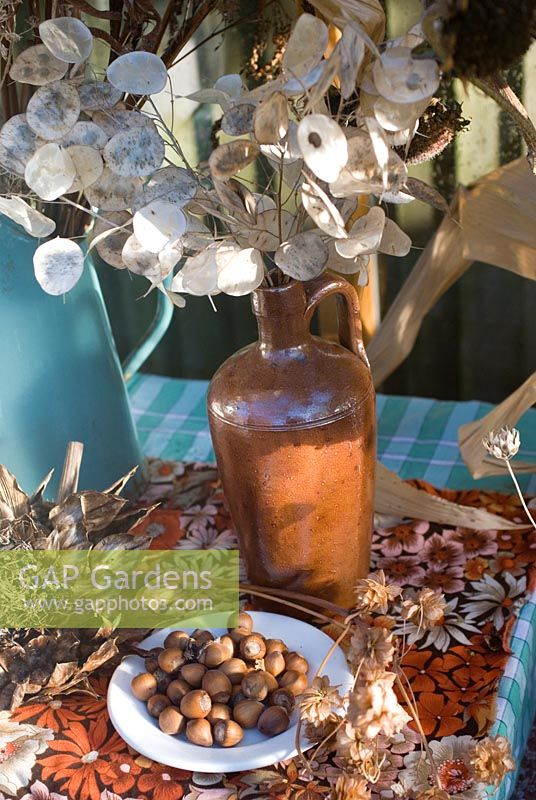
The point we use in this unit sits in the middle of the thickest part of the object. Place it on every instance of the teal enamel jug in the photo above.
(60, 376)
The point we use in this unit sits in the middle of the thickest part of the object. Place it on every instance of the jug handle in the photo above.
(152, 336)
(350, 330)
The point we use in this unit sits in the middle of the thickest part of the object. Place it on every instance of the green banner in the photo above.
(118, 588)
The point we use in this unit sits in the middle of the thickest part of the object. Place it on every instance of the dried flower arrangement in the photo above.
(50, 662)
(338, 121)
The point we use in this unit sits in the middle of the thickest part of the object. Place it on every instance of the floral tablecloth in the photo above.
(68, 748)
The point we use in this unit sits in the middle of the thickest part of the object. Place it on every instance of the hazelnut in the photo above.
(296, 662)
(252, 647)
(171, 659)
(283, 698)
(196, 704)
(177, 689)
(271, 682)
(157, 703)
(163, 680)
(273, 720)
(171, 720)
(201, 637)
(198, 731)
(235, 669)
(274, 663)
(144, 686)
(237, 695)
(254, 685)
(219, 711)
(151, 663)
(217, 652)
(178, 639)
(227, 732)
(294, 682)
(217, 685)
(276, 646)
(244, 622)
(247, 713)
(193, 674)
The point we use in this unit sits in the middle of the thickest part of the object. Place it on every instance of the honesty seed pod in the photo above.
(217, 685)
(198, 731)
(177, 689)
(235, 669)
(274, 663)
(219, 711)
(144, 686)
(157, 703)
(294, 661)
(294, 682)
(283, 698)
(177, 639)
(273, 720)
(252, 646)
(254, 685)
(171, 659)
(171, 720)
(193, 674)
(247, 713)
(275, 646)
(227, 733)
(196, 704)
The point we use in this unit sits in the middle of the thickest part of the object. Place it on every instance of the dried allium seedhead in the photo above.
(437, 128)
(492, 759)
(350, 787)
(502, 444)
(323, 731)
(482, 37)
(433, 794)
(425, 608)
(374, 594)
(371, 648)
(374, 708)
(317, 702)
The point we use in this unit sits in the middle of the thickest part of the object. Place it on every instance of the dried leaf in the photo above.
(33, 222)
(270, 121)
(37, 66)
(396, 497)
(109, 237)
(427, 194)
(479, 462)
(238, 120)
(13, 501)
(98, 96)
(62, 674)
(323, 146)
(50, 172)
(243, 273)
(85, 134)
(138, 73)
(231, 157)
(142, 262)
(112, 192)
(158, 224)
(135, 153)
(105, 652)
(322, 211)
(305, 47)
(53, 110)
(18, 143)
(88, 166)
(303, 257)
(173, 184)
(58, 265)
(67, 38)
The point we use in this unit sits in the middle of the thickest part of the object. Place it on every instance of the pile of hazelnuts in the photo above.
(214, 689)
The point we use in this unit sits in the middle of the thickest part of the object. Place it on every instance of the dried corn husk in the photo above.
(438, 267)
(470, 436)
(497, 217)
(397, 498)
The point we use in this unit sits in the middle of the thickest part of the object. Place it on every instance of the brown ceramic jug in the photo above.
(292, 419)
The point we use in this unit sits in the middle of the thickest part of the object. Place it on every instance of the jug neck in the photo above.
(280, 312)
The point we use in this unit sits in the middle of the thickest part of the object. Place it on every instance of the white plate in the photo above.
(134, 724)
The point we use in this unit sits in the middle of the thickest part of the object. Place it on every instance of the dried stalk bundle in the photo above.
(396, 497)
(507, 413)
(55, 661)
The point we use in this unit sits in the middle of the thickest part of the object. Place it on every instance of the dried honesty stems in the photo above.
(379, 712)
(278, 200)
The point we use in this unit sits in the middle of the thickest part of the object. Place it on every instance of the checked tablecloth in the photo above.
(472, 674)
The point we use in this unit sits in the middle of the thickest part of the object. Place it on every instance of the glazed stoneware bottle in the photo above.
(292, 419)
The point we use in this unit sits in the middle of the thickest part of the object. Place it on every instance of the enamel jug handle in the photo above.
(350, 331)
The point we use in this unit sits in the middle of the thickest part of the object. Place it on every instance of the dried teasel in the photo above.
(438, 126)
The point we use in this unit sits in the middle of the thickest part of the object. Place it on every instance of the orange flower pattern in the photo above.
(453, 673)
